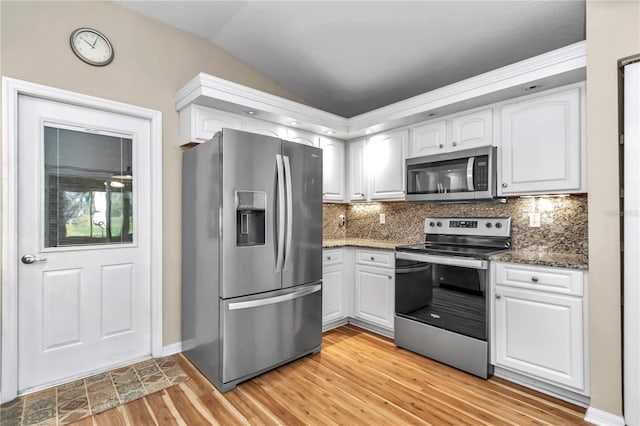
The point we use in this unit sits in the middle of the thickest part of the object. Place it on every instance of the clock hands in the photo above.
(95, 41)
(85, 40)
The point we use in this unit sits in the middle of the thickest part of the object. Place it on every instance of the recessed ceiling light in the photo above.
(252, 113)
(329, 132)
(532, 87)
(294, 123)
(432, 114)
(368, 131)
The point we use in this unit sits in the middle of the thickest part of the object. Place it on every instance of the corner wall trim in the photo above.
(172, 349)
(602, 418)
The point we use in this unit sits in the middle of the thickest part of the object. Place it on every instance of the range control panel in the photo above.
(485, 226)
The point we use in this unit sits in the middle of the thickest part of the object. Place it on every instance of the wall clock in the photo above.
(91, 46)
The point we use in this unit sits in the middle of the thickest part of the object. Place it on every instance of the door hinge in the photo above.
(621, 139)
(621, 192)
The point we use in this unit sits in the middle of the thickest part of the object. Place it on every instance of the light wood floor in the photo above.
(358, 378)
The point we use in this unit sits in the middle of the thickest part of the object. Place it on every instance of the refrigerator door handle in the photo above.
(275, 299)
(287, 171)
(281, 207)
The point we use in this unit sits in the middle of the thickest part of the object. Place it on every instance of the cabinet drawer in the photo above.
(375, 257)
(552, 280)
(331, 257)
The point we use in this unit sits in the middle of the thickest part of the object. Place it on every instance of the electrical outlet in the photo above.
(534, 220)
(383, 218)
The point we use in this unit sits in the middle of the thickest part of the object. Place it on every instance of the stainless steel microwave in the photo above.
(468, 175)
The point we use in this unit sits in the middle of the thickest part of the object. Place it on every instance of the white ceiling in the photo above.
(352, 57)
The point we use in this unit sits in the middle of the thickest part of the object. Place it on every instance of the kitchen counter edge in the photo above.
(362, 243)
(544, 258)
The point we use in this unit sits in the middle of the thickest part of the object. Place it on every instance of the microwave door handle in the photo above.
(470, 174)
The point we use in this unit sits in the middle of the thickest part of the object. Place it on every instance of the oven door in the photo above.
(447, 292)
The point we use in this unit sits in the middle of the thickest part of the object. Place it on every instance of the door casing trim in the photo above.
(11, 90)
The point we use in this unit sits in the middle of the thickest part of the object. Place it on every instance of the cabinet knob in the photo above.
(328, 257)
(534, 279)
(390, 277)
(498, 296)
(454, 143)
(441, 146)
(504, 185)
(373, 258)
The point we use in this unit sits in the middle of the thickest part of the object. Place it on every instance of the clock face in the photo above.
(91, 46)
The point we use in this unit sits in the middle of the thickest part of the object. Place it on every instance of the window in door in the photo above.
(88, 188)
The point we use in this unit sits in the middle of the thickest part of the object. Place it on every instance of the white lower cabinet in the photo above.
(374, 292)
(539, 326)
(334, 289)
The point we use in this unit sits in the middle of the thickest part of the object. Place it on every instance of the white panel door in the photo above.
(386, 153)
(333, 306)
(374, 295)
(540, 334)
(430, 138)
(541, 144)
(357, 171)
(84, 241)
(472, 130)
(333, 181)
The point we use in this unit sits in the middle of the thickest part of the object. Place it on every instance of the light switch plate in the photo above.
(383, 218)
(534, 220)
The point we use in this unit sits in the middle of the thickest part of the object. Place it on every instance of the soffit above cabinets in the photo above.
(553, 69)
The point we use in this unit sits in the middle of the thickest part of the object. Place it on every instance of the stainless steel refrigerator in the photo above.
(251, 255)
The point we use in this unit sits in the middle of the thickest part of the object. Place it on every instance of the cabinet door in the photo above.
(357, 171)
(374, 295)
(541, 144)
(472, 130)
(386, 153)
(333, 294)
(300, 136)
(333, 181)
(430, 138)
(540, 334)
(265, 128)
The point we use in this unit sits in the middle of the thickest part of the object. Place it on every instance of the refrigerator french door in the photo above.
(252, 241)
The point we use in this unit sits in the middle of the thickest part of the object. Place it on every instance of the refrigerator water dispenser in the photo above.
(250, 218)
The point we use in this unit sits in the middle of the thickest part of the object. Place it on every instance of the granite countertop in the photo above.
(544, 258)
(362, 242)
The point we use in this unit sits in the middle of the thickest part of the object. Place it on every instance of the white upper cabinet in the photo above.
(386, 153)
(333, 172)
(542, 145)
(467, 131)
(198, 124)
(427, 139)
(472, 130)
(357, 171)
(300, 136)
(265, 128)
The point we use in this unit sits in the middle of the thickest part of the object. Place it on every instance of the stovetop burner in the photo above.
(477, 238)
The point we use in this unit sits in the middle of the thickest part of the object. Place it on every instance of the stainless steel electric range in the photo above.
(441, 294)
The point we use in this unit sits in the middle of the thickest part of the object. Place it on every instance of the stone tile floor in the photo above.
(73, 401)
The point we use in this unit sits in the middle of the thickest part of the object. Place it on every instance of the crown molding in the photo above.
(561, 66)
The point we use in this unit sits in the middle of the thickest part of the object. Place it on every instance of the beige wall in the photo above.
(152, 61)
(613, 32)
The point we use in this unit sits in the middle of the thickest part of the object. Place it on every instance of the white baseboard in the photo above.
(172, 349)
(602, 418)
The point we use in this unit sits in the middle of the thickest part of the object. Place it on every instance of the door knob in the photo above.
(29, 259)
(454, 143)
(504, 185)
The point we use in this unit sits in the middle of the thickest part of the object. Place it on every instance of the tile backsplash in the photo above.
(563, 221)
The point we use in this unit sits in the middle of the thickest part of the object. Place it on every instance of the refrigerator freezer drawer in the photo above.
(260, 333)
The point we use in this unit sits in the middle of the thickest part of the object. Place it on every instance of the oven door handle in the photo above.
(444, 260)
(412, 270)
